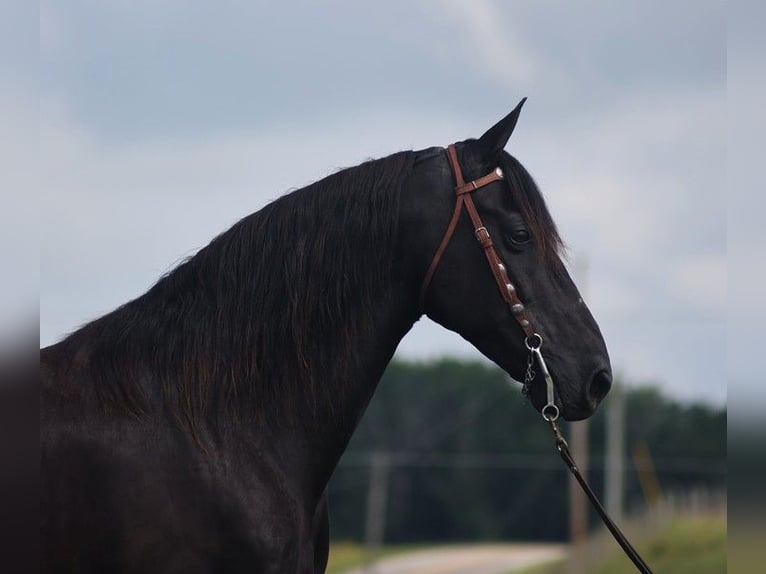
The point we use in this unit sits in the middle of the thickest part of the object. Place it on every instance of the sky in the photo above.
(162, 123)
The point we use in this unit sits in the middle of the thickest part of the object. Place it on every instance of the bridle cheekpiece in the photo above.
(533, 340)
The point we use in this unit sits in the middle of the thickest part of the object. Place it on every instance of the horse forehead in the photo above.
(471, 164)
(428, 153)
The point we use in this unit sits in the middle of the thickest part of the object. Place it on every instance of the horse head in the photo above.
(496, 277)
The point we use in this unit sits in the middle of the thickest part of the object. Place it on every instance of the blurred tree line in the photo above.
(470, 459)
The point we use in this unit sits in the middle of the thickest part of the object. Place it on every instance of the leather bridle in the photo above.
(463, 193)
(533, 340)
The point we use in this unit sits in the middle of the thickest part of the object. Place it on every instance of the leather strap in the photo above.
(463, 193)
(440, 251)
(566, 456)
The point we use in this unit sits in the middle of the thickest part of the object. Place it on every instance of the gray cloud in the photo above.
(19, 169)
(163, 123)
(746, 205)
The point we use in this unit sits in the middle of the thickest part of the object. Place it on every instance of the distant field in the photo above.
(347, 555)
(344, 555)
(491, 558)
(687, 546)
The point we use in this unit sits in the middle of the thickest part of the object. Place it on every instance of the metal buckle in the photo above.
(482, 231)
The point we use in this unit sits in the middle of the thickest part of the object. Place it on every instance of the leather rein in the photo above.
(533, 340)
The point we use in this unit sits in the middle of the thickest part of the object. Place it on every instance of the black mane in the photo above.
(530, 201)
(268, 309)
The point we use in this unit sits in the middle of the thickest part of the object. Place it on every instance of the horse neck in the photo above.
(276, 336)
(326, 430)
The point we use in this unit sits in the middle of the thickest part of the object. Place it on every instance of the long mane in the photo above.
(533, 209)
(269, 309)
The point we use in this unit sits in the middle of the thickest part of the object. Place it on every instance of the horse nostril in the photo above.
(599, 386)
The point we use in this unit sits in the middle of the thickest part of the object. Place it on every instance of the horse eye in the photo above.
(520, 236)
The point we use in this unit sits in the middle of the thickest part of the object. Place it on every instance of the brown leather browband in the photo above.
(463, 192)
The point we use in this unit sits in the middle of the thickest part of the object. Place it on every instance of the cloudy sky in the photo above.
(163, 122)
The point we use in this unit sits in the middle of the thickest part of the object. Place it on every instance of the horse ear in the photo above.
(495, 138)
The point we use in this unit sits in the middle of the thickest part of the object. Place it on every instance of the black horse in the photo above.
(195, 428)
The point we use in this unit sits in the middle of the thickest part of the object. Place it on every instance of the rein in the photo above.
(533, 340)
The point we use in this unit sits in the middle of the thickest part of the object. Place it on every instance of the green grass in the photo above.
(347, 555)
(554, 567)
(687, 546)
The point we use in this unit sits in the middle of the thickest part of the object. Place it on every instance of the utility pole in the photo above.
(377, 500)
(578, 442)
(614, 470)
(578, 506)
